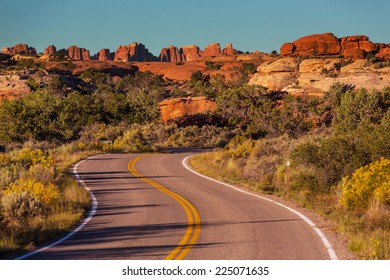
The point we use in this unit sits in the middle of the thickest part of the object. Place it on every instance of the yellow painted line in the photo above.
(193, 219)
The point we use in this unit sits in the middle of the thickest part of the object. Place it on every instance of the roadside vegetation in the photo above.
(342, 171)
(337, 147)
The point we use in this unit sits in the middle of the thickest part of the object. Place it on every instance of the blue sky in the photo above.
(248, 24)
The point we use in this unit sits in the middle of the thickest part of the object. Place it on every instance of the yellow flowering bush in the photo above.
(368, 184)
(30, 157)
(47, 194)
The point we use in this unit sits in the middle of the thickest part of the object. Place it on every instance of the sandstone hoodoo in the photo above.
(170, 54)
(104, 55)
(213, 49)
(133, 52)
(179, 107)
(191, 52)
(229, 50)
(76, 53)
(50, 50)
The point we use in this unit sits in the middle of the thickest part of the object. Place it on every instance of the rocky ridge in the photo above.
(131, 52)
(355, 47)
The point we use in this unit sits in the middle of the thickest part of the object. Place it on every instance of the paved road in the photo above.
(151, 207)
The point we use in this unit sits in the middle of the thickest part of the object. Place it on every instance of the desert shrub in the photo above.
(32, 83)
(29, 157)
(19, 206)
(360, 106)
(249, 68)
(47, 194)
(368, 184)
(25, 64)
(212, 65)
(196, 76)
(134, 140)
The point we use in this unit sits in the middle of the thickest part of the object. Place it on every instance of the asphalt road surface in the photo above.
(152, 207)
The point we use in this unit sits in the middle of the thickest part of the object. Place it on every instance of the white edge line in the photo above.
(91, 213)
(325, 241)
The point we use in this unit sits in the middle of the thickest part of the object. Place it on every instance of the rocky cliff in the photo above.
(355, 47)
(133, 52)
(76, 53)
(315, 76)
(19, 49)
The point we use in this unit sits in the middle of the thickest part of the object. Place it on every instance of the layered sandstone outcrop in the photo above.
(315, 76)
(76, 53)
(178, 107)
(133, 52)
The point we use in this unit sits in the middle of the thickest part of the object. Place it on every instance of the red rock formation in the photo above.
(122, 54)
(133, 52)
(5, 50)
(213, 49)
(76, 53)
(287, 49)
(104, 55)
(317, 44)
(50, 50)
(384, 52)
(19, 49)
(170, 54)
(356, 46)
(191, 52)
(178, 107)
(229, 50)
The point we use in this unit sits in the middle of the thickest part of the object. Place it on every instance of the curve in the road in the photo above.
(194, 223)
(325, 241)
(91, 213)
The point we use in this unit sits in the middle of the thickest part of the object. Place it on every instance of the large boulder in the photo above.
(178, 107)
(287, 49)
(317, 44)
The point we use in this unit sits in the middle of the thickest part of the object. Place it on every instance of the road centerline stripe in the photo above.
(193, 219)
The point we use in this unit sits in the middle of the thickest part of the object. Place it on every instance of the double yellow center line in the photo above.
(193, 219)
